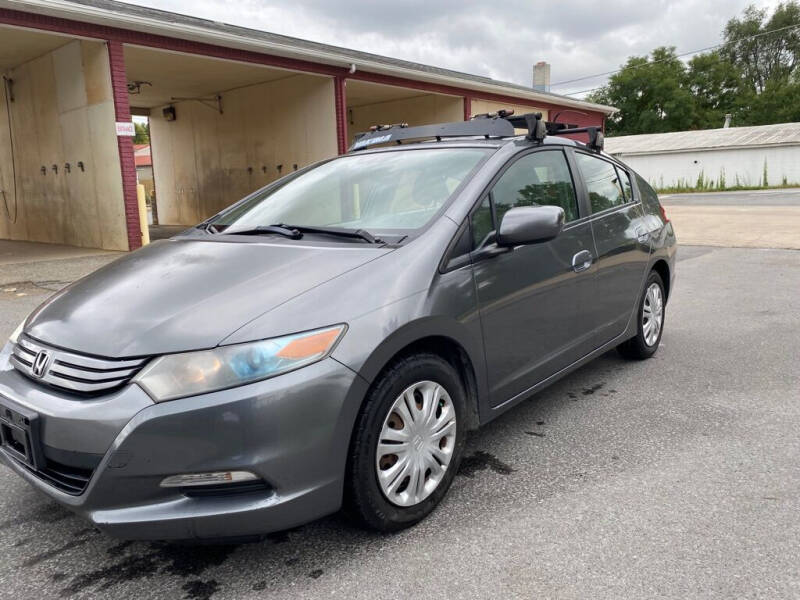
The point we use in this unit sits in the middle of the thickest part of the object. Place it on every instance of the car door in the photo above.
(621, 240)
(532, 298)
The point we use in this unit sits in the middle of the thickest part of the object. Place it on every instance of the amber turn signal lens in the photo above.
(312, 345)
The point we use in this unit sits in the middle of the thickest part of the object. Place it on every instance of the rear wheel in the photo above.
(651, 313)
(407, 444)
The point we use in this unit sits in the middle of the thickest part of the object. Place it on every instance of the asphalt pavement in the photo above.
(675, 477)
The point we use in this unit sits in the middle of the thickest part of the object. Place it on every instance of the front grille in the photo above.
(72, 371)
(71, 480)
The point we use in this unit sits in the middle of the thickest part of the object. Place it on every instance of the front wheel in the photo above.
(407, 444)
(651, 313)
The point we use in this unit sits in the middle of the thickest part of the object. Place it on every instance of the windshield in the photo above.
(383, 192)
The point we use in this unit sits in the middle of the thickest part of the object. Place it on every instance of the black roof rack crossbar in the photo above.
(596, 137)
(490, 125)
(484, 127)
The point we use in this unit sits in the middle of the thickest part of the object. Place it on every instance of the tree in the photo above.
(755, 76)
(764, 50)
(142, 133)
(651, 94)
(714, 84)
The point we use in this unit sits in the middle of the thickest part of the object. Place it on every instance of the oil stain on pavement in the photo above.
(481, 461)
(160, 559)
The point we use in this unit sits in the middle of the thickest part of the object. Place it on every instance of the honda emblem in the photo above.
(40, 364)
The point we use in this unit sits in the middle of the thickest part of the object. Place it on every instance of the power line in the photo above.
(650, 63)
(750, 37)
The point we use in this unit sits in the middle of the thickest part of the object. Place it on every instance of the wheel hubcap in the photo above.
(652, 314)
(416, 443)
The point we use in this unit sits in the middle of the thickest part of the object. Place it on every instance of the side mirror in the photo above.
(530, 224)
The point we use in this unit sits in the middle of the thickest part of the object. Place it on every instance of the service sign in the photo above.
(126, 129)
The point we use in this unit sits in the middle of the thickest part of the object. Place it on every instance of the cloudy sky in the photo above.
(499, 39)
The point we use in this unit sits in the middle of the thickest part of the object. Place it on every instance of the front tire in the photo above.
(407, 443)
(650, 315)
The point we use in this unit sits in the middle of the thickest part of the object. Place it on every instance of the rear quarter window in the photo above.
(647, 194)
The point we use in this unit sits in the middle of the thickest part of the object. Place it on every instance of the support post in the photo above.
(467, 108)
(340, 99)
(122, 110)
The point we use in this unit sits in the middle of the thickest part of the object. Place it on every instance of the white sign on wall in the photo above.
(126, 129)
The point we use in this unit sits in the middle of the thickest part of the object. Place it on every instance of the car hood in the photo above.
(180, 295)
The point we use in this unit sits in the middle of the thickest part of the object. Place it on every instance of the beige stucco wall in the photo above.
(63, 112)
(420, 110)
(204, 161)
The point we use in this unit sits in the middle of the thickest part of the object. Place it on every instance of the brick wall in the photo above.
(122, 109)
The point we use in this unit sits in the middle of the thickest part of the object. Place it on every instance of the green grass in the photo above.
(687, 189)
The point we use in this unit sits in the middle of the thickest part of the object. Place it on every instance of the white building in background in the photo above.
(714, 158)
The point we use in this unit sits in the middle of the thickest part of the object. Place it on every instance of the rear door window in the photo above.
(602, 182)
(625, 180)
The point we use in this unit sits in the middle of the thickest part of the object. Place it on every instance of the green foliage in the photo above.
(755, 79)
(650, 93)
(142, 133)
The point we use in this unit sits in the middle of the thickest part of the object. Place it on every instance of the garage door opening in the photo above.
(220, 129)
(377, 104)
(60, 179)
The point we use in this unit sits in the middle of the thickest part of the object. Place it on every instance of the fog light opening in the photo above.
(199, 479)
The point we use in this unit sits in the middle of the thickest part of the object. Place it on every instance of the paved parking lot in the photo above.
(675, 477)
(749, 219)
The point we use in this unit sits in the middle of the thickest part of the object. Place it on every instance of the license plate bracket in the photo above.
(19, 434)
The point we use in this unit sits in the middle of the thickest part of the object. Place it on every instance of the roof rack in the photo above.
(499, 124)
(382, 134)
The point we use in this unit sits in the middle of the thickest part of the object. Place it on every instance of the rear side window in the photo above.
(602, 182)
(648, 195)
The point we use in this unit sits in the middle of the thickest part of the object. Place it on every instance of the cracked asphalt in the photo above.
(676, 477)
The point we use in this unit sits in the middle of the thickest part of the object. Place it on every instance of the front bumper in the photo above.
(293, 431)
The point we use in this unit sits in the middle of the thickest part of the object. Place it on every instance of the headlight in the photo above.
(15, 336)
(190, 373)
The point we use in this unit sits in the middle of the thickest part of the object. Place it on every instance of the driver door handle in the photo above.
(582, 261)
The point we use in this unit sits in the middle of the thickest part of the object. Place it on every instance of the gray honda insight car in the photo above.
(329, 340)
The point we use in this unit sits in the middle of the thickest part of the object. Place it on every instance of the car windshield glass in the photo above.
(382, 192)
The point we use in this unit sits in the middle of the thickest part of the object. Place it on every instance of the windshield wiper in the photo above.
(290, 232)
(359, 234)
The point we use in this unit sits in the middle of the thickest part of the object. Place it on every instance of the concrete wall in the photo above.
(204, 161)
(742, 166)
(63, 113)
(420, 110)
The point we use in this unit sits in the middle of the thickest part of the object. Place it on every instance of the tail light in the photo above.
(664, 214)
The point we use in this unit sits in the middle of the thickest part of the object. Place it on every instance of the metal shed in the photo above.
(725, 157)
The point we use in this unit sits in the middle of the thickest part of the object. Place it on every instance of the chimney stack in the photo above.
(728, 118)
(541, 76)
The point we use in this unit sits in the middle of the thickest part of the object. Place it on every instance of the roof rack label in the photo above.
(368, 142)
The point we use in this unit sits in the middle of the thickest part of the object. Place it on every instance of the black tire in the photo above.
(364, 501)
(637, 348)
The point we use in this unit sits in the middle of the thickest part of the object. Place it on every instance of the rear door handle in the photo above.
(582, 261)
